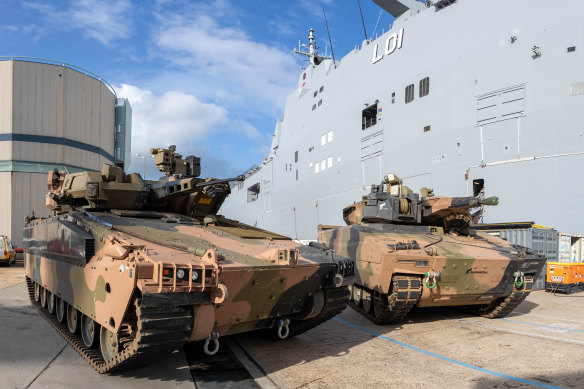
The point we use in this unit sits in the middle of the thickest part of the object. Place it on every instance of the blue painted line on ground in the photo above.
(542, 325)
(454, 361)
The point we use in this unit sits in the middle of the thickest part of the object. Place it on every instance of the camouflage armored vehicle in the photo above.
(420, 251)
(125, 270)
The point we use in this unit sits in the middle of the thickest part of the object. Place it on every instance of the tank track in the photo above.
(405, 293)
(159, 330)
(505, 305)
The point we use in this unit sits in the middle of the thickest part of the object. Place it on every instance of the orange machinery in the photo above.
(567, 277)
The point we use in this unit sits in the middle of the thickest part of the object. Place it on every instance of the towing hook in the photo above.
(427, 279)
(519, 275)
(283, 329)
(214, 337)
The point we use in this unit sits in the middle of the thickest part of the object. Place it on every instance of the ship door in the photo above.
(371, 152)
(266, 185)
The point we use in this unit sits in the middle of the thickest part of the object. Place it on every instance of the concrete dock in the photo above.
(541, 344)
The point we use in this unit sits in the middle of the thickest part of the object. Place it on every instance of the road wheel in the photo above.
(50, 302)
(72, 319)
(43, 297)
(89, 331)
(60, 308)
(37, 292)
(109, 344)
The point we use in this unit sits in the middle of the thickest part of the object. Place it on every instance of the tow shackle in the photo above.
(283, 329)
(433, 275)
(519, 278)
(213, 337)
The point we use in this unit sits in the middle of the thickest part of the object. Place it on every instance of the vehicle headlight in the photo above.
(180, 273)
(195, 276)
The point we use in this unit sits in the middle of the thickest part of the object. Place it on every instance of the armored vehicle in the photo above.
(125, 270)
(413, 250)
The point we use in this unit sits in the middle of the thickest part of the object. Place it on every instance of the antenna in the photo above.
(329, 35)
(362, 20)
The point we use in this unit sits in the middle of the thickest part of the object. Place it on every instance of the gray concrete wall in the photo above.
(42, 103)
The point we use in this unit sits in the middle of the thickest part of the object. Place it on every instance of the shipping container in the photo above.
(542, 240)
(565, 277)
(570, 248)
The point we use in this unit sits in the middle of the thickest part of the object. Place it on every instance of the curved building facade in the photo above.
(52, 116)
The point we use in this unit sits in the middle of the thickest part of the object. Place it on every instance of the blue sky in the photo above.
(210, 76)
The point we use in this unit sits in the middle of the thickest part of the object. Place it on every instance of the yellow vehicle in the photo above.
(7, 255)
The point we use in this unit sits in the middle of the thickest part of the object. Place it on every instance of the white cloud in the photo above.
(172, 118)
(102, 20)
(251, 73)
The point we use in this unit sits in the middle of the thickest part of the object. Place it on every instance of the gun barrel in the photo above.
(209, 183)
(493, 200)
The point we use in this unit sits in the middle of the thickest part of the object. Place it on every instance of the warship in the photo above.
(458, 96)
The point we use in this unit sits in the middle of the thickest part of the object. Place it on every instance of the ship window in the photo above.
(316, 167)
(409, 93)
(319, 102)
(369, 117)
(322, 165)
(310, 149)
(477, 186)
(296, 156)
(322, 140)
(571, 49)
(424, 87)
(315, 93)
(296, 174)
(253, 192)
(330, 136)
(427, 128)
(329, 162)
(313, 107)
(393, 97)
(321, 89)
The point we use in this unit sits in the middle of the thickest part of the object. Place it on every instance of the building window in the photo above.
(253, 192)
(424, 87)
(409, 93)
(369, 116)
(296, 156)
(330, 136)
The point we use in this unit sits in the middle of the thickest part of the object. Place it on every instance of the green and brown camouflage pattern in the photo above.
(429, 240)
(104, 260)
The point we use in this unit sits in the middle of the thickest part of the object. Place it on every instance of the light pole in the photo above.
(144, 159)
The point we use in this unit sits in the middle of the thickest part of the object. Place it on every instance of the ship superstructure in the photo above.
(459, 96)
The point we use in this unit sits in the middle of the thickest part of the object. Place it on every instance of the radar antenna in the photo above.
(312, 52)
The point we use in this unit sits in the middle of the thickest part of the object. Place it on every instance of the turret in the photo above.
(182, 191)
(394, 203)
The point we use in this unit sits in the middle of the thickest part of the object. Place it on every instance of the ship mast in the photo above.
(312, 52)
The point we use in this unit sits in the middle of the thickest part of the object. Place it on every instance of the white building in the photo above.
(53, 115)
